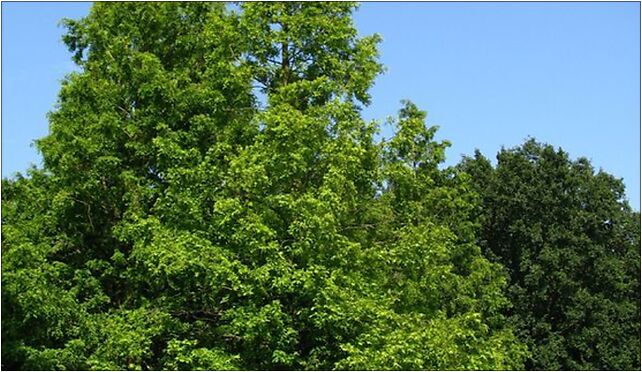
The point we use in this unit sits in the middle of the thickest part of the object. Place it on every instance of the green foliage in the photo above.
(571, 247)
(177, 224)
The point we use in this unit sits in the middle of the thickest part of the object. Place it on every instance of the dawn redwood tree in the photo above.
(571, 246)
(212, 199)
(157, 82)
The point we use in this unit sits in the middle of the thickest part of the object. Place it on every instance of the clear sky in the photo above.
(489, 74)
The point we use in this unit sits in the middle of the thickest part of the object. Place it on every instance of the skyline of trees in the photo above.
(178, 224)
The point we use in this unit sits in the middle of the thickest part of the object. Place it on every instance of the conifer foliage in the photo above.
(179, 223)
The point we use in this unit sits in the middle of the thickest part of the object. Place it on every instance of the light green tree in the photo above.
(179, 223)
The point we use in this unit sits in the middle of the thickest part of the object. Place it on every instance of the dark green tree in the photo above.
(571, 246)
(179, 224)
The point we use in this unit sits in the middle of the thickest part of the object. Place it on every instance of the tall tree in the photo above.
(571, 247)
(187, 226)
(159, 89)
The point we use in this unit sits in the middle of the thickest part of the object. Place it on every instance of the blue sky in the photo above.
(489, 74)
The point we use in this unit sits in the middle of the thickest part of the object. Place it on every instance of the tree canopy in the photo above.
(571, 246)
(212, 198)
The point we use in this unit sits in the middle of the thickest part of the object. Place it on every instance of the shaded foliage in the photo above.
(571, 246)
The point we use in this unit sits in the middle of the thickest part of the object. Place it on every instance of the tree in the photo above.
(571, 247)
(178, 224)
(157, 82)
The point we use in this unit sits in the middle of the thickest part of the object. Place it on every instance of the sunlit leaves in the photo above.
(213, 199)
